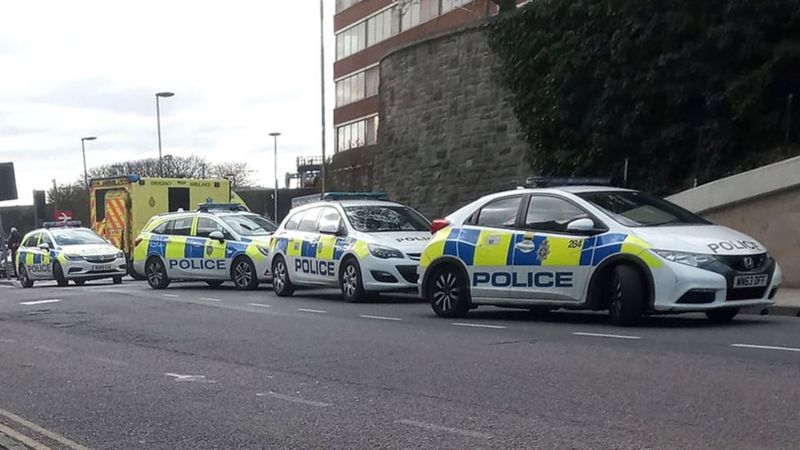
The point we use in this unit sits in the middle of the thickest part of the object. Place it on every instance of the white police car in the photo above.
(592, 248)
(217, 243)
(64, 252)
(353, 241)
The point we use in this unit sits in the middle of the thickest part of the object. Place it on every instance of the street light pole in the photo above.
(158, 122)
(83, 150)
(275, 146)
(322, 84)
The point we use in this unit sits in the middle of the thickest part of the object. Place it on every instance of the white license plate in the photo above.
(745, 281)
(102, 268)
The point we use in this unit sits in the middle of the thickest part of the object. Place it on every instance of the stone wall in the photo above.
(352, 170)
(447, 133)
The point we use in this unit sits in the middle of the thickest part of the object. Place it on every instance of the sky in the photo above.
(239, 69)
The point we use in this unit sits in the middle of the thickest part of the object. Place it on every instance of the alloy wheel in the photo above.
(279, 276)
(243, 274)
(350, 280)
(445, 290)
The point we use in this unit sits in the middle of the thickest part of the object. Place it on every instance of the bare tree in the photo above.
(506, 5)
(242, 173)
(179, 167)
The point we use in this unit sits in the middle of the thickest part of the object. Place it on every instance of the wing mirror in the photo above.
(217, 236)
(583, 226)
(44, 246)
(329, 229)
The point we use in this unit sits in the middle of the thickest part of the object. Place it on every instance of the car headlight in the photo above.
(73, 257)
(690, 259)
(379, 251)
(264, 250)
(120, 255)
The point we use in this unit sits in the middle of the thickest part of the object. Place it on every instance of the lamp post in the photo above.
(158, 121)
(83, 150)
(275, 145)
(322, 84)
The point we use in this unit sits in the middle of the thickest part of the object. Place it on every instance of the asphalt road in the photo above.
(107, 366)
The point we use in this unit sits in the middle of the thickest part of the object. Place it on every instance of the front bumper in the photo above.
(86, 270)
(389, 275)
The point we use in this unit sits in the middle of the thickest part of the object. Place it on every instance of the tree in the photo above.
(242, 174)
(506, 5)
(71, 197)
(179, 167)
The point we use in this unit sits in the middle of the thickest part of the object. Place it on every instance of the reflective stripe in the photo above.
(361, 249)
(326, 248)
(176, 247)
(493, 248)
(295, 247)
(563, 251)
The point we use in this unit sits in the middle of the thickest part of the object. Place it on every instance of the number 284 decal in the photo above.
(575, 243)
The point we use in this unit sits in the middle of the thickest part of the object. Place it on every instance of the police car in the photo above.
(64, 252)
(357, 242)
(216, 243)
(590, 247)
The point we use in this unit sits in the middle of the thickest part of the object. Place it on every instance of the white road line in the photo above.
(109, 361)
(190, 378)
(47, 433)
(369, 316)
(317, 311)
(289, 398)
(40, 302)
(48, 349)
(440, 428)
(260, 305)
(209, 299)
(7, 341)
(6, 286)
(171, 295)
(36, 445)
(602, 335)
(766, 347)
(479, 325)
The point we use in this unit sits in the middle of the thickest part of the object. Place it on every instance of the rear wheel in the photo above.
(244, 274)
(24, 279)
(350, 282)
(626, 295)
(58, 274)
(156, 273)
(722, 315)
(448, 292)
(280, 278)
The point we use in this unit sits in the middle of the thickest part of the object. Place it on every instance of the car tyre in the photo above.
(24, 279)
(156, 273)
(58, 274)
(448, 292)
(626, 294)
(117, 280)
(722, 315)
(350, 282)
(244, 274)
(214, 283)
(281, 283)
(79, 282)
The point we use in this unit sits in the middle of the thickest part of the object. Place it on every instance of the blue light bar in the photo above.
(206, 207)
(333, 196)
(68, 223)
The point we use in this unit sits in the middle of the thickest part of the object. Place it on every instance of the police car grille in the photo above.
(739, 262)
(409, 273)
(99, 259)
(414, 256)
(745, 293)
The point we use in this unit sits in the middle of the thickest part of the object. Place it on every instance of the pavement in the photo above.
(125, 366)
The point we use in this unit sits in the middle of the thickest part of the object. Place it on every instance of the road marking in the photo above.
(22, 438)
(6, 286)
(209, 299)
(478, 325)
(261, 305)
(109, 361)
(766, 347)
(171, 295)
(40, 302)
(36, 428)
(7, 341)
(289, 398)
(434, 427)
(48, 349)
(190, 378)
(602, 335)
(368, 316)
(317, 311)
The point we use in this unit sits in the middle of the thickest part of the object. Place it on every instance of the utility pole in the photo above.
(322, 84)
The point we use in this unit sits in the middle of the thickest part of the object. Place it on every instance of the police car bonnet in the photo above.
(708, 239)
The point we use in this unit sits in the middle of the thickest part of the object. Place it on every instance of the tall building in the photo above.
(365, 31)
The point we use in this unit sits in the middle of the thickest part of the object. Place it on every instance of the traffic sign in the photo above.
(63, 215)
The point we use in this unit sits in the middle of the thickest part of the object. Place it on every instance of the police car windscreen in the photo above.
(374, 218)
(637, 209)
(76, 237)
(249, 224)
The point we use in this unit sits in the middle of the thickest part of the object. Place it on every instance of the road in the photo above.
(106, 366)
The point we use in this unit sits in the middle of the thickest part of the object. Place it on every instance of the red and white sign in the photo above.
(63, 216)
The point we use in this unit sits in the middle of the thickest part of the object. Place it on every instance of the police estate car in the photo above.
(64, 252)
(215, 244)
(356, 242)
(592, 248)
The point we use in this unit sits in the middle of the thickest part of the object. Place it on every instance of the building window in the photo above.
(357, 87)
(410, 15)
(381, 26)
(449, 5)
(341, 5)
(351, 40)
(357, 134)
(371, 80)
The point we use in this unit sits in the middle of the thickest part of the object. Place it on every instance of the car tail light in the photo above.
(438, 224)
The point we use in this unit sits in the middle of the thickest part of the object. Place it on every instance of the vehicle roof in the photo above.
(345, 203)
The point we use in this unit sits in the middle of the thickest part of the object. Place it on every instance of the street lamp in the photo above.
(83, 150)
(158, 120)
(275, 144)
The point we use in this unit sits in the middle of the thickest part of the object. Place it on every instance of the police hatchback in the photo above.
(356, 242)
(215, 244)
(64, 252)
(597, 248)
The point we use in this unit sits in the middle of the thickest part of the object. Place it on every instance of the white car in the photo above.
(590, 247)
(66, 252)
(215, 244)
(359, 246)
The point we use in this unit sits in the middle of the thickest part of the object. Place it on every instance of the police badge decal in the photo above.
(543, 251)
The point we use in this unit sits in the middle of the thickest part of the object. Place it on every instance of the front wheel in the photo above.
(281, 283)
(214, 283)
(448, 292)
(722, 315)
(156, 273)
(24, 279)
(350, 282)
(627, 293)
(58, 274)
(79, 282)
(244, 274)
(117, 280)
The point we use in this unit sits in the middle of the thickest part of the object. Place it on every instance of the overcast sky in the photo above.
(239, 69)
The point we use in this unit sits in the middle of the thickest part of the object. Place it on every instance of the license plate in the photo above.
(745, 281)
(102, 268)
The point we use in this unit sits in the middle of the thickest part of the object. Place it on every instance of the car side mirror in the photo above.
(44, 246)
(217, 236)
(329, 229)
(584, 225)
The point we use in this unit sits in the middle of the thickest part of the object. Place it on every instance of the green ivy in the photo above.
(684, 89)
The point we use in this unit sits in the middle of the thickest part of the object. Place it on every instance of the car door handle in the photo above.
(525, 246)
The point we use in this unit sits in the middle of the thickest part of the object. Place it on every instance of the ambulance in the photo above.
(121, 206)
(596, 248)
